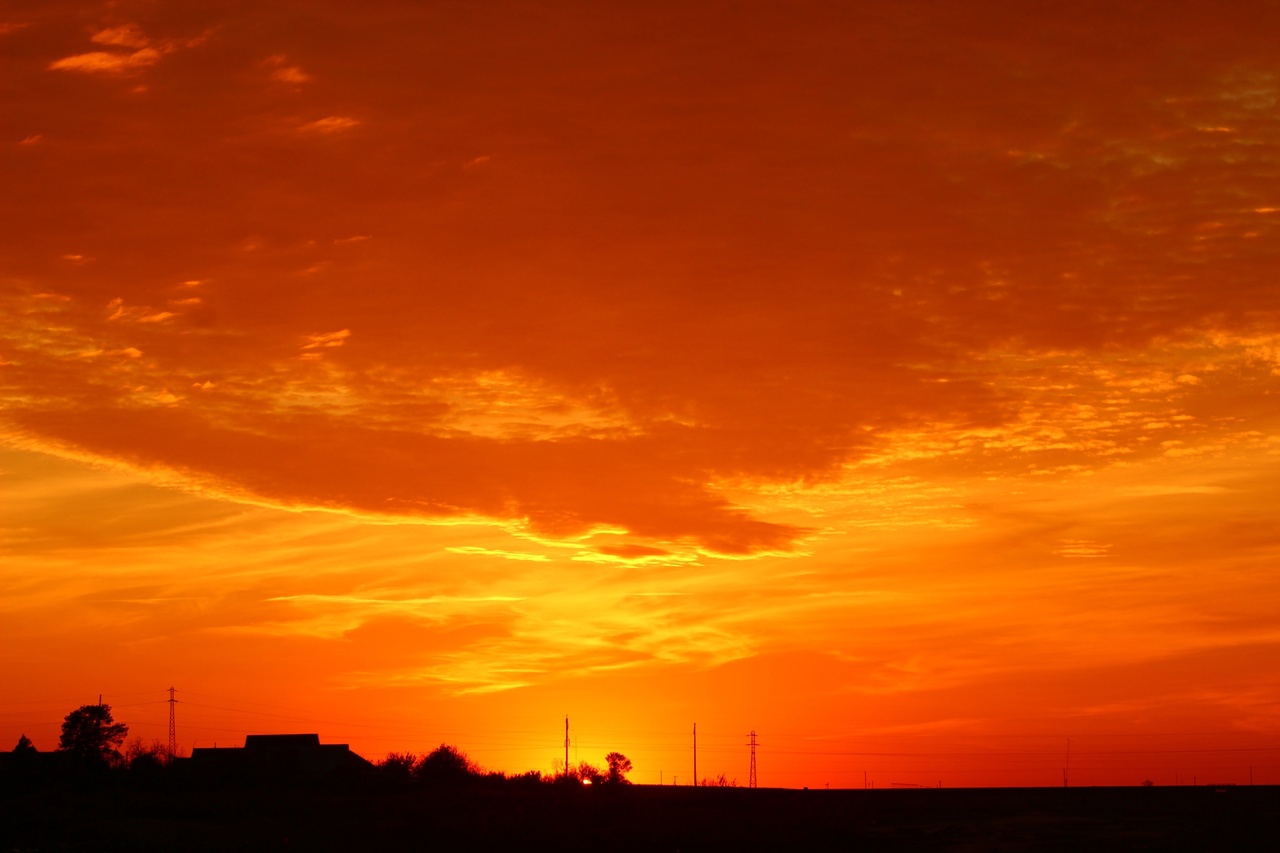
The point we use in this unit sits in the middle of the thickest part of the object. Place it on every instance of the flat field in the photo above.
(544, 817)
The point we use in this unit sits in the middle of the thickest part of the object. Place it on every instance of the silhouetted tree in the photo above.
(25, 746)
(145, 757)
(92, 735)
(529, 777)
(586, 772)
(446, 764)
(619, 767)
(398, 766)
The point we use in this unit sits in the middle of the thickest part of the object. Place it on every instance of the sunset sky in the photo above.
(897, 379)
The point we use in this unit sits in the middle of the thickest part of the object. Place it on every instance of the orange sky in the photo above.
(900, 380)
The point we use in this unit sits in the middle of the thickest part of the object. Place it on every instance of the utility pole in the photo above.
(751, 780)
(566, 746)
(695, 755)
(173, 727)
(1067, 768)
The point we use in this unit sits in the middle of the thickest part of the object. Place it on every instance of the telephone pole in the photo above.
(566, 746)
(695, 755)
(1067, 767)
(173, 727)
(751, 780)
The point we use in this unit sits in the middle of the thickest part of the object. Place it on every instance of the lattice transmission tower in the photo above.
(751, 779)
(173, 727)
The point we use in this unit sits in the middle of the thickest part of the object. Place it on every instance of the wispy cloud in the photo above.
(284, 72)
(323, 340)
(329, 125)
(135, 52)
(506, 555)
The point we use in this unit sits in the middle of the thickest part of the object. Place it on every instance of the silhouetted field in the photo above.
(641, 818)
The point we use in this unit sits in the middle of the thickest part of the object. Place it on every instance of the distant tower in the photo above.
(173, 727)
(566, 746)
(751, 780)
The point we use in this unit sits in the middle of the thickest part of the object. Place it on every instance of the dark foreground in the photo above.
(643, 818)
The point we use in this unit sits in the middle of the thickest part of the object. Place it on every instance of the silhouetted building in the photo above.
(277, 757)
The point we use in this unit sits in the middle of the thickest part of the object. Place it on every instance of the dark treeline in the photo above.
(102, 791)
(95, 749)
(448, 765)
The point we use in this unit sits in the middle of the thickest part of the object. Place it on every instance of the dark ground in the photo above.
(642, 818)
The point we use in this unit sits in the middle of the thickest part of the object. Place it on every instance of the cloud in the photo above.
(330, 125)
(727, 336)
(506, 555)
(126, 35)
(291, 74)
(632, 551)
(284, 72)
(327, 339)
(136, 52)
(559, 489)
(1082, 548)
(111, 63)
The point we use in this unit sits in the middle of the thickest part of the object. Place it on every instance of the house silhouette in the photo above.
(288, 756)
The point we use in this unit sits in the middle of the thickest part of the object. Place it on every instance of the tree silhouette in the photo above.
(619, 767)
(92, 735)
(25, 746)
(588, 773)
(398, 767)
(144, 757)
(446, 764)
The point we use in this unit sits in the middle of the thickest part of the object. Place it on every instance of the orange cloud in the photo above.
(330, 124)
(285, 73)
